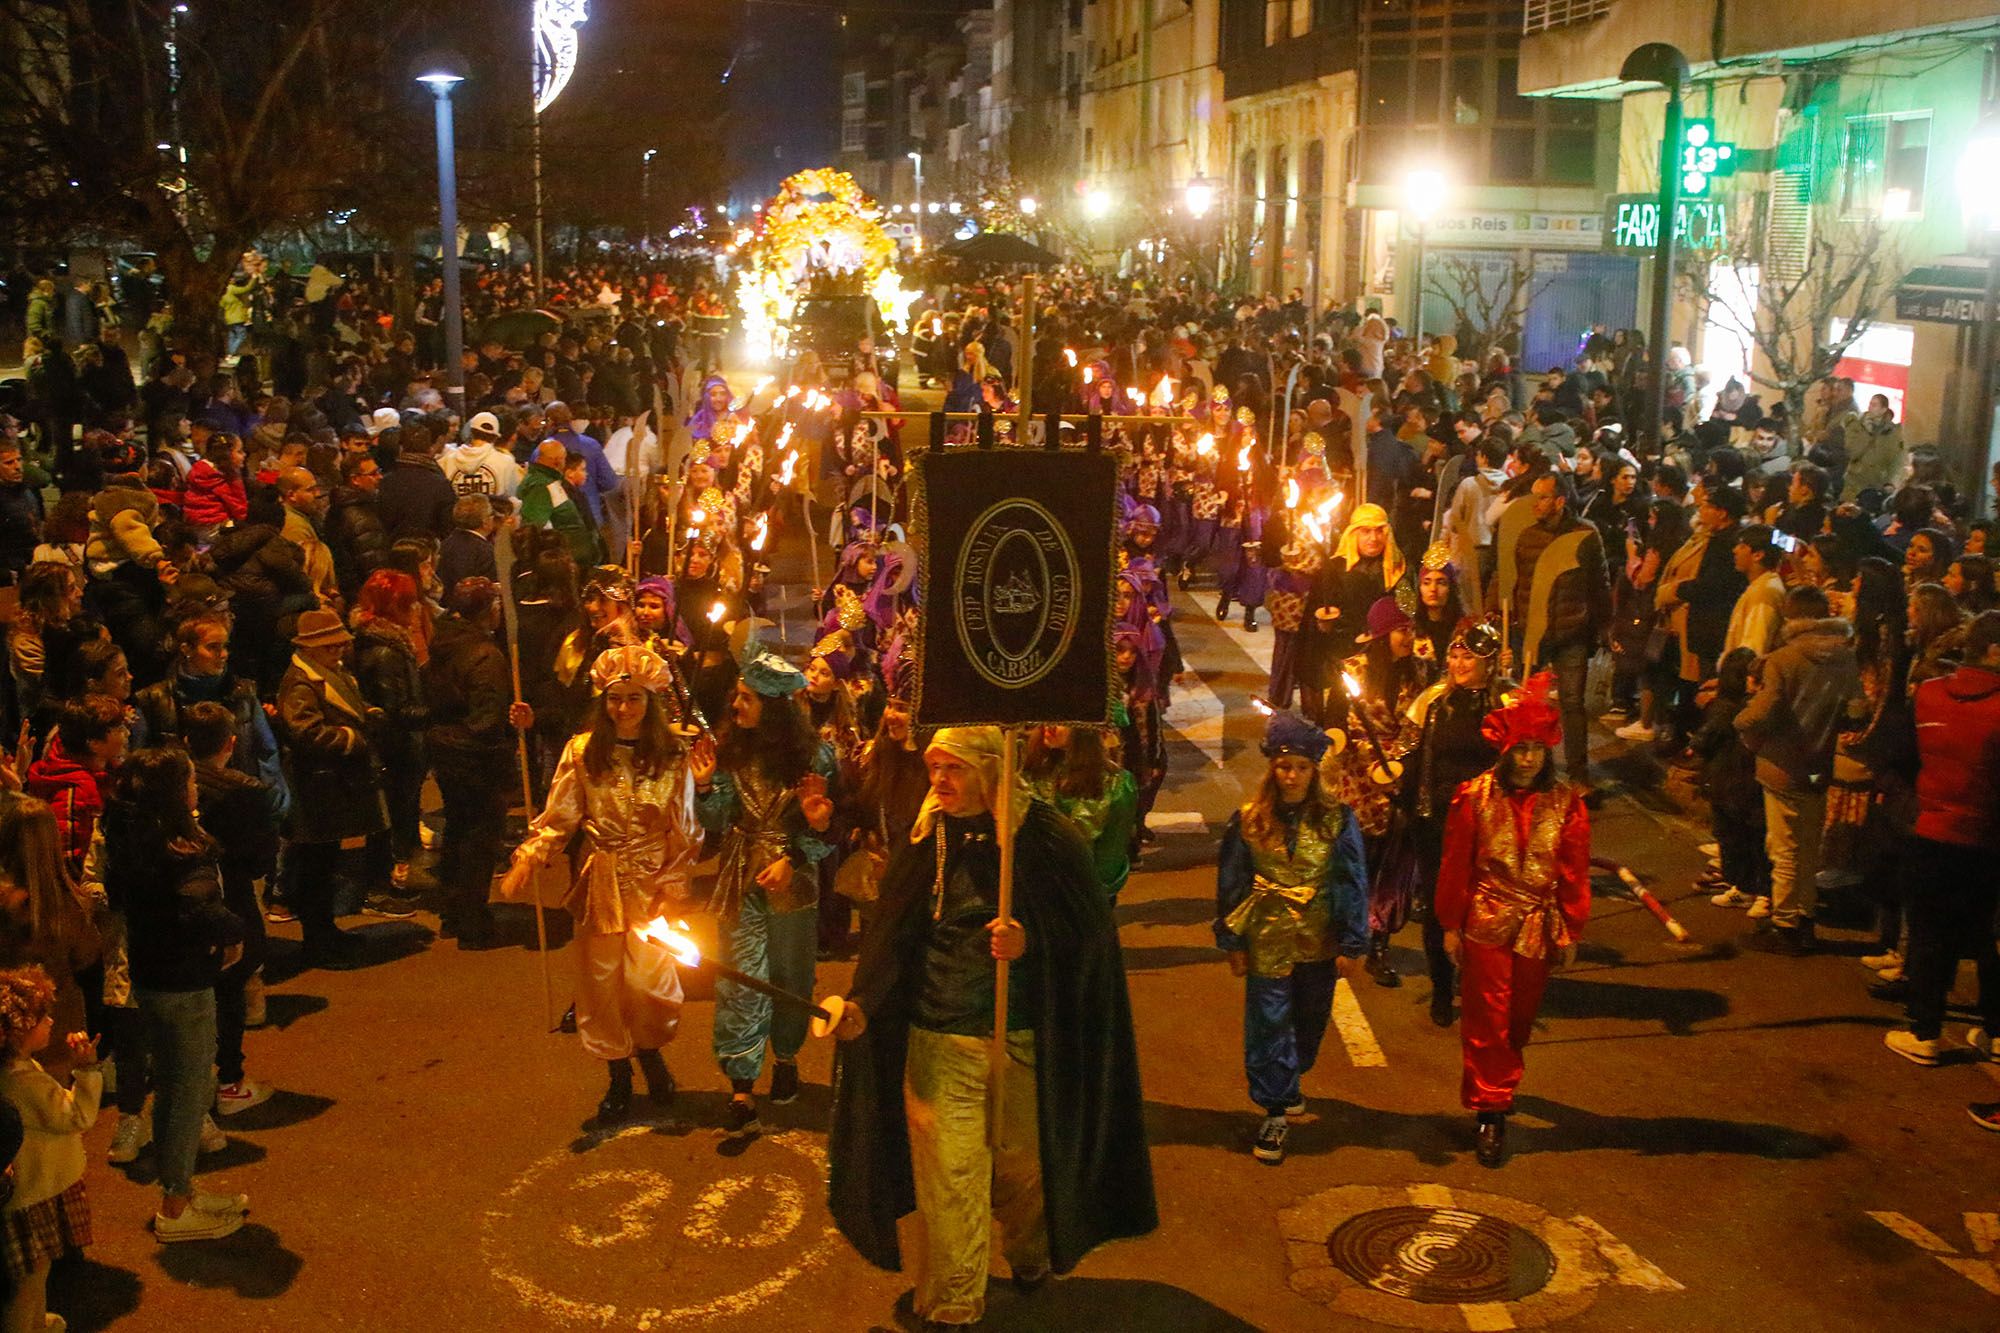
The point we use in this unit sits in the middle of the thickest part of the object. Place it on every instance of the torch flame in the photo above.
(791, 464)
(1163, 392)
(1351, 683)
(1069, 355)
(1243, 456)
(678, 943)
(1205, 446)
(763, 531)
(1292, 493)
(1089, 374)
(716, 612)
(1262, 707)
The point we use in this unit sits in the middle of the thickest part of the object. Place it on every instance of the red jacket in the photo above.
(72, 791)
(1958, 756)
(213, 499)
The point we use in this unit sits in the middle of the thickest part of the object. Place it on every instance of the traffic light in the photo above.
(1703, 158)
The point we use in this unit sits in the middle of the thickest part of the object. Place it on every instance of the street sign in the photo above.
(1703, 157)
(1632, 224)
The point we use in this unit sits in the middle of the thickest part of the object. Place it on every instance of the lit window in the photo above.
(1886, 161)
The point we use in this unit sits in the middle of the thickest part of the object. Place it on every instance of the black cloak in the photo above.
(1097, 1175)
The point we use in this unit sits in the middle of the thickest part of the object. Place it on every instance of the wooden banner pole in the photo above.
(1003, 827)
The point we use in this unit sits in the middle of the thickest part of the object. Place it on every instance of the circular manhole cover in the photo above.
(1441, 1256)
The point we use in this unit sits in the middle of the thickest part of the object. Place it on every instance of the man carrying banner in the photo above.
(910, 1118)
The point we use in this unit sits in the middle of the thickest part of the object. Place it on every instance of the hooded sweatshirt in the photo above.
(1810, 690)
(481, 468)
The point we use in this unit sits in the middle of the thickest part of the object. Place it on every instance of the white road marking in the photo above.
(1488, 1318)
(1984, 1229)
(1196, 716)
(1256, 646)
(1628, 1269)
(1980, 1272)
(1429, 1194)
(1355, 1034)
(1177, 821)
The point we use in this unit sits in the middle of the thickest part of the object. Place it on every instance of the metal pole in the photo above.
(1989, 326)
(536, 286)
(454, 305)
(1025, 380)
(1659, 331)
(1417, 299)
(996, 1054)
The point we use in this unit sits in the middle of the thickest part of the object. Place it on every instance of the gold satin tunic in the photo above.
(640, 840)
(1283, 919)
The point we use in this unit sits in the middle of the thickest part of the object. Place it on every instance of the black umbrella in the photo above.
(1000, 249)
(518, 329)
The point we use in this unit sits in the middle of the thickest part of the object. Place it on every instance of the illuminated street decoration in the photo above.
(820, 229)
(556, 43)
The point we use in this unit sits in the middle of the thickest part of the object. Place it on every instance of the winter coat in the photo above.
(466, 555)
(20, 526)
(547, 503)
(1579, 609)
(1728, 769)
(469, 689)
(1958, 748)
(266, 580)
(1702, 577)
(324, 721)
(1809, 690)
(244, 816)
(1875, 458)
(122, 519)
(178, 926)
(415, 498)
(315, 557)
(211, 499)
(358, 538)
(385, 667)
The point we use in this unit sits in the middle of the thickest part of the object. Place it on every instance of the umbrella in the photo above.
(1000, 249)
(518, 329)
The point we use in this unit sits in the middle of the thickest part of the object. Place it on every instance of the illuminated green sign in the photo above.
(1632, 224)
(1703, 157)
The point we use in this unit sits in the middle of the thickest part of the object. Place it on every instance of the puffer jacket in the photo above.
(211, 499)
(358, 538)
(1958, 758)
(1809, 691)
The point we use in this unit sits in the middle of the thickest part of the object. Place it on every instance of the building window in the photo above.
(853, 132)
(854, 89)
(1513, 155)
(1886, 162)
(1572, 156)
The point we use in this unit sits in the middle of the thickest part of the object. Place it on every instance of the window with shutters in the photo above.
(1884, 166)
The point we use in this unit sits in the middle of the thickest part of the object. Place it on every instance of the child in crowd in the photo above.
(1729, 778)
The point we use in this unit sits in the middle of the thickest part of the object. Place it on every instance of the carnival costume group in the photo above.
(1416, 782)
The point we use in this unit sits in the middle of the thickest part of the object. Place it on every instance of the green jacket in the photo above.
(547, 503)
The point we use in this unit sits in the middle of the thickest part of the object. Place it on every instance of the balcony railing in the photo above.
(1542, 15)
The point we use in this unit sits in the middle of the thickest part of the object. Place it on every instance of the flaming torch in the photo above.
(682, 946)
(1205, 446)
(717, 612)
(1385, 770)
(762, 531)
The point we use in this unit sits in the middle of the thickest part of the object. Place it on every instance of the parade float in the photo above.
(819, 236)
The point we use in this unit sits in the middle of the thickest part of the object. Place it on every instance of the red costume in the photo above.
(1515, 884)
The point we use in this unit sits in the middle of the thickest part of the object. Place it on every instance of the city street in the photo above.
(1702, 1134)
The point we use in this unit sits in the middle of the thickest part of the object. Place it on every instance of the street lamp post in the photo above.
(917, 159)
(1657, 62)
(646, 194)
(1423, 191)
(442, 74)
(1979, 194)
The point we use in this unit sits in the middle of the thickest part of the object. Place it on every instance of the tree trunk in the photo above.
(194, 286)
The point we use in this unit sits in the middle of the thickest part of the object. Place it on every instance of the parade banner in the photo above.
(1018, 558)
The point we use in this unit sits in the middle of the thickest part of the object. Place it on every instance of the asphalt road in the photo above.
(1704, 1138)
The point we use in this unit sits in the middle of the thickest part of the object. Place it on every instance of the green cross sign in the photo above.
(1703, 158)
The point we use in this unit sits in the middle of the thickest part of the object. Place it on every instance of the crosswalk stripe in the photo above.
(1177, 821)
(1363, 1051)
(1914, 1232)
(1196, 716)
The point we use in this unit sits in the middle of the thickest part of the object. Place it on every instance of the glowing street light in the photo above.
(1199, 196)
(441, 73)
(1028, 205)
(1423, 193)
(1097, 201)
(556, 47)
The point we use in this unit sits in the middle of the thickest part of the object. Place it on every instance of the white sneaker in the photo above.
(220, 1203)
(134, 1132)
(1635, 731)
(1912, 1047)
(1980, 1040)
(1894, 973)
(195, 1224)
(212, 1137)
(1711, 850)
(1879, 962)
(1760, 909)
(1732, 897)
(231, 1098)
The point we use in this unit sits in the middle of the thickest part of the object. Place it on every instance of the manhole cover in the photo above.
(1441, 1256)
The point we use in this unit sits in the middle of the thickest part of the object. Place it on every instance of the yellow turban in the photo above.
(978, 747)
(1349, 550)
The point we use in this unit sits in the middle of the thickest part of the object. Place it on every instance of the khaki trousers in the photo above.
(962, 1185)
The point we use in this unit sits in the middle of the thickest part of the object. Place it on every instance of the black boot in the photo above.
(618, 1099)
(659, 1079)
(1379, 966)
(1222, 610)
(1490, 1137)
(1250, 619)
(1441, 1004)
